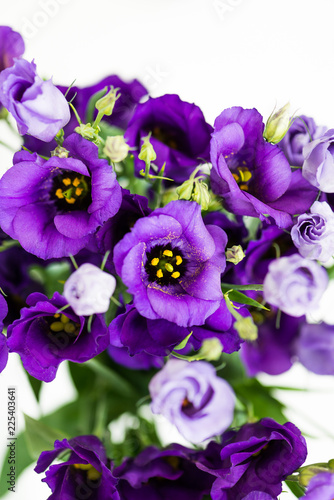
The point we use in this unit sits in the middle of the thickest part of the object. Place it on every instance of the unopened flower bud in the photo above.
(235, 254)
(147, 152)
(185, 190)
(211, 349)
(106, 104)
(60, 152)
(246, 328)
(116, 149)
(201, 194)
(307, 473)
(89, 132)
(277, 125)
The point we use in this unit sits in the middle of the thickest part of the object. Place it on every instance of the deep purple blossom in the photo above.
(44, 338)
(88, 290)
(140, 361)
(321, 487)
(318, 166)
(313, 233)
(180, 135)
(39, 108)
(294, 285)
(171, 263)
(258, 495)
(193, 398)
(315, 348)
(162, 474)
(86, 474)
(256, 458)
(302, 131)
(54, 207)
(274, 351)
(11, 46)
(253, 176)
(3, 340)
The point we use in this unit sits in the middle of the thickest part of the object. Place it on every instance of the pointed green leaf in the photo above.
(184, 342)
(40, 437)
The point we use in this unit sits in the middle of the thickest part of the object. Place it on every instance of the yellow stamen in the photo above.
(169, 267)
(57, 326)
(92, 473)
(56, 315)
(244, 187)
(235, 176)
(155, 261)
(78, 191)
(159, 273)
(64, 319)
(69, 328)
(245, 174)
(178, 260)
(176, 274)
(67, 181)
(70, 200)
(76, 182)
(59, 194)
(167, 253)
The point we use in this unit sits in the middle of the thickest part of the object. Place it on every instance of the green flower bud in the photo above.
(201, 194)
(147, 152)
(235, 254)
(3, 113)
(246, 328)
(211, 349)
(116, 149)
(277, 125)
(89, 132)
(185, 190)
(106, 104)
(60, 152)
(307, 473)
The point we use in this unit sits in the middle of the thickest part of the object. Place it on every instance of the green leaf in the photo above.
(119, 384)
(184, 342)
(52, 277)
(107, 130)
(35, 384)
(295, 488)
(23, 459)
(227, 286)
(241, 298)
(40, 437)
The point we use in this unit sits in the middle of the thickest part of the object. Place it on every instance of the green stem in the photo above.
(118, 383)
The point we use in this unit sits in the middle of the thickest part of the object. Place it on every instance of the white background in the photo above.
(216, 53)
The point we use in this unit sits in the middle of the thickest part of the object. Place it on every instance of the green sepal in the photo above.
(183, 344)
(241, 298)
(295, 488)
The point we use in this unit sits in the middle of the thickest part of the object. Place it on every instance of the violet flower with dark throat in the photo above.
(171, 263)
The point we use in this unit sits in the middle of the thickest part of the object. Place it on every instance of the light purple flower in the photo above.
(294, 285)
(191, 396)
(88, 290)
(11, 46)
(313, 233)
(39, 108)
(318, 167)
(321, 487)
(315, 348)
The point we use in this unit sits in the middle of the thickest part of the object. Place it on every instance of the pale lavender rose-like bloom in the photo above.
(313, 233)
(88, 290)
(315, 348)
(321, 487)
(294, 284)
(318, 166)
(39, 108)
(193, 398)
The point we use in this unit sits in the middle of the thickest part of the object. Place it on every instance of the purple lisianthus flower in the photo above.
(256, 458)
(180, 135)
(294, 285)
(258, 495)
(54, 207)
(302, 131)
(162, 474)
(44, 338)
(39, 108)
(85, 474)
(313, 233)
(315, 348)
(171, 263)
(88, 290)
(274, 351)
(140, 361)
(252, 175)
(193, 398)
(321, 487)
(11, 46)
(318, 166)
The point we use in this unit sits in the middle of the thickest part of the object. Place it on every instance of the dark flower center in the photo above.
(165, 265)
(71, 191)
(90, 472)
(166, 137)
(61, 323)
(242, 176)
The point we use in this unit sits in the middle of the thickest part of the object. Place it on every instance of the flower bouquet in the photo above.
(168, 262)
